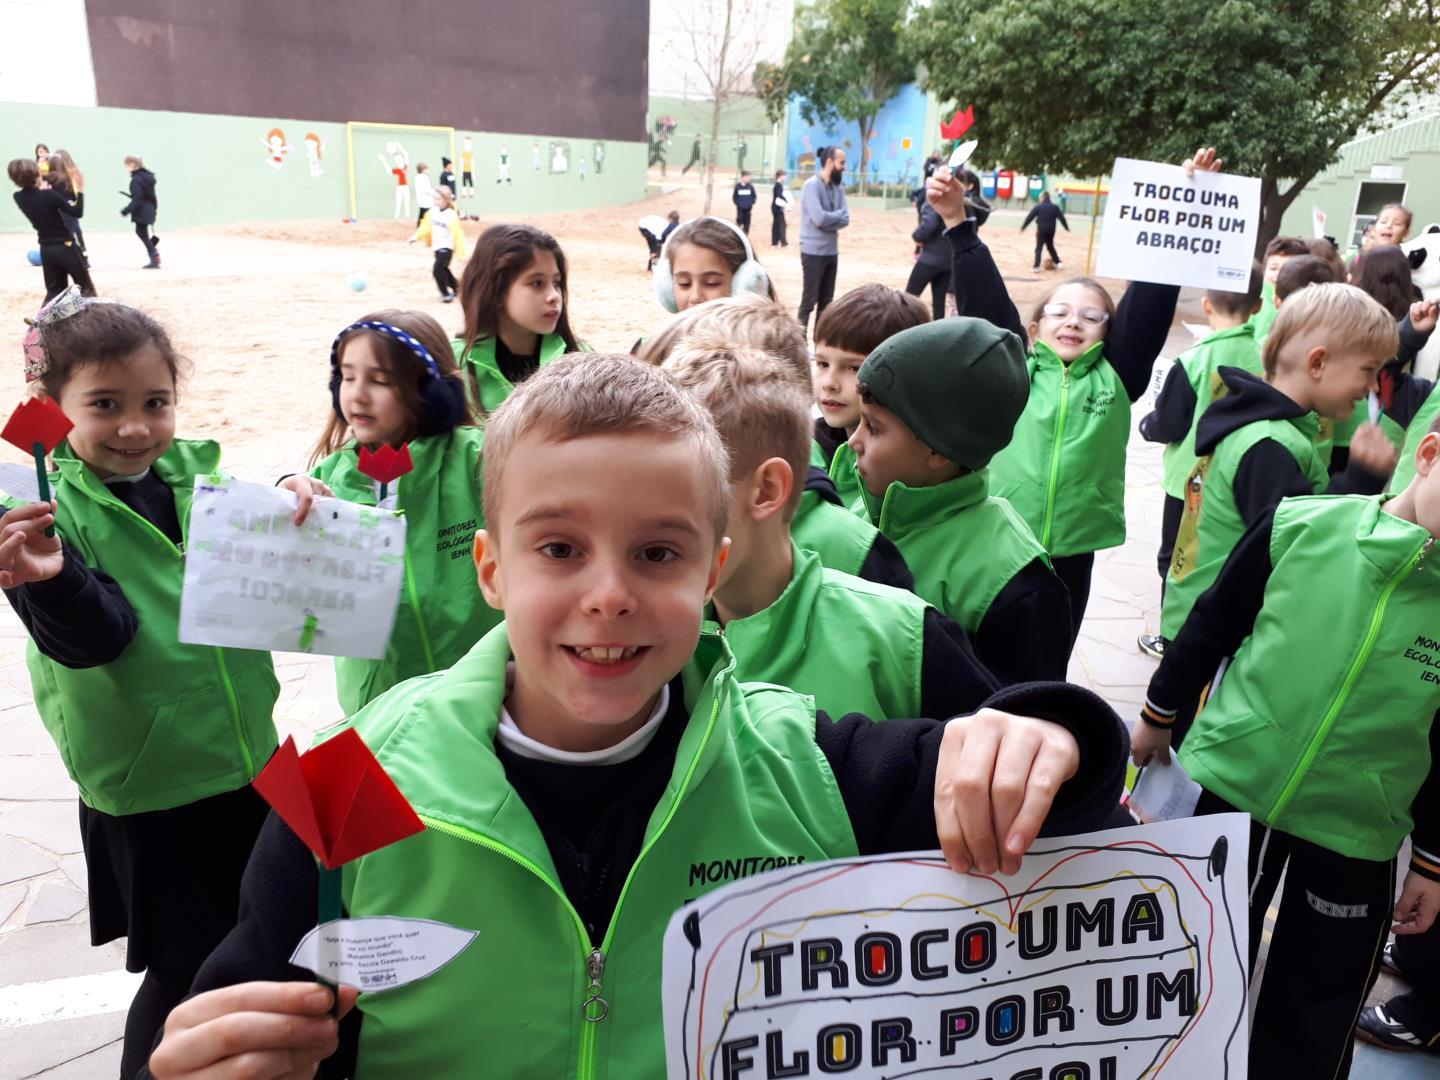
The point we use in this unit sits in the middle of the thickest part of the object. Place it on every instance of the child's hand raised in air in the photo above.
(947, 195)
(26, 553)
(1423, 315)
(281, 1030)
(1419, 901)
(996, 779)
(1372, 449)
(1203, 160)
(305, 489)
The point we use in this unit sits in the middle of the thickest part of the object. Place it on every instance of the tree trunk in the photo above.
(867, 125)
(1273, 204)
(718, 94)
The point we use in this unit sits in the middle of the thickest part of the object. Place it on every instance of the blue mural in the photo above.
(897, 147)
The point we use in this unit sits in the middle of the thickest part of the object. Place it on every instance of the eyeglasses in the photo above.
(1093, 315)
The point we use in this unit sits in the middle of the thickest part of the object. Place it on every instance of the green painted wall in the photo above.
(215, 169)
(743, 116)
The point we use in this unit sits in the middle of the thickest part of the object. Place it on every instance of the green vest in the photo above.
(1321, 725)
(1064, 470)
(842, 540)
(166, 724)
(852, 645)
(843, 475)
(488, 385)
(440, 613)
(1211, 525)
(962, 544)
(1418, 429)
(750, 791)
(1201, 364)
(1263, 319)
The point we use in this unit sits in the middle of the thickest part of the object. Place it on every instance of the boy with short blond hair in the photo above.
(938, 401)
(586, 753)
(844, 541)
(852, 645)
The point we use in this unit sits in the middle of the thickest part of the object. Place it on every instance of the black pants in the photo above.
(818, 287)
(421, 216)
(62, 263)
(742, 218)
(1170, 516)
(693, 159)
(1324, 954)
(444, 279)
(1047, 241)
(1075, 571)
(938, 278)
(1418, 957)
(142, 230)
(777, 226)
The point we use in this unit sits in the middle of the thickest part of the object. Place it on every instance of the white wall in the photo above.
(761, 27)
(46, 57)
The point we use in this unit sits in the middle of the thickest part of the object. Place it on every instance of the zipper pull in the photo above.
(595, 1008)
(1424, 553)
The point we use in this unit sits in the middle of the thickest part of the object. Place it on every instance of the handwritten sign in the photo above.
(256, 580)
(1109, 955)
(1165, 227)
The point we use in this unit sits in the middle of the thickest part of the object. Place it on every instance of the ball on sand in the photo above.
(33, 256)
(357, 281)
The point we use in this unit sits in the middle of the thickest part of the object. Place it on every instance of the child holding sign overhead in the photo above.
(593, 764)
(393, 383)
(1064, 471)
(162, 738)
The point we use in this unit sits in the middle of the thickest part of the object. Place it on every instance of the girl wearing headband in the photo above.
(393, 382)
(161, 738)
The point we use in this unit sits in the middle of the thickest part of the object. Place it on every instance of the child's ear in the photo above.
(722, 556)
(487, 569)
(774, 480)
(1033, 331)
(1427, 454)
(1315, 361)
(1206, 306)
(1259, 303)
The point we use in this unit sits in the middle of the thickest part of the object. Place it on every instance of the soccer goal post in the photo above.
(371, 150)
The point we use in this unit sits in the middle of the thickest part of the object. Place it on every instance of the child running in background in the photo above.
(441, 229)
(515, 298)
(161, 738)
(705, 259)
(1190, 386)
(142, 208)
(393, 382)
(1064, 472)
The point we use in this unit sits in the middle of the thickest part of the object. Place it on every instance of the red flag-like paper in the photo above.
(961, 122)
(36, 420)
(386, 464)
(337, 798)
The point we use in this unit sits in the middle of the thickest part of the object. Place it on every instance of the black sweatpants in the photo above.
(142, 230)
(742, 218)
(1418, 958)
(1075, 571)
(61, 263)
(1170, 515)
(818, 285)
(444, 279)
(1324, 953)
(777, 227)
(1046, 241)
(938, 278)
(421, 216)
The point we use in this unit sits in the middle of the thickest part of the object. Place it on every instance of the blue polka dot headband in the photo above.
(404, 337)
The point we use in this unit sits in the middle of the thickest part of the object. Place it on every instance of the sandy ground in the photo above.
(255, 306)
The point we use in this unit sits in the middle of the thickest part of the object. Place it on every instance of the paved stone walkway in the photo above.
(62, 1003)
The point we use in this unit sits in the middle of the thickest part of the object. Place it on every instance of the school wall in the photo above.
(744, 117)
(1400, 164)
(217, 169)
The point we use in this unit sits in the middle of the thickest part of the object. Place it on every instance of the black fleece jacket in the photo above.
(1137, 333)
(885, 773)
(43, 208)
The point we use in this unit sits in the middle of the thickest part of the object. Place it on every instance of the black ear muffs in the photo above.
(442, 397)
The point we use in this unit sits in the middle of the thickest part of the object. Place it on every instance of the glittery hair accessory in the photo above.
(62, 306)
(406, 339)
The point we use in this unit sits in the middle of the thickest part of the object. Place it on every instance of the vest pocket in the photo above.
(190, 739)
(1236, 756)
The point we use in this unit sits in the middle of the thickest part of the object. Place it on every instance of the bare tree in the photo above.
(726, 39)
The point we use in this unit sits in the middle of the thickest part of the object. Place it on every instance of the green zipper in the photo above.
(1050, 490)
(1308, 758)
(594, 1008)
(415, 607)
(236, 723)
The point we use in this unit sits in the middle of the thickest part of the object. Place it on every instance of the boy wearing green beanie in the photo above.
(937, 402)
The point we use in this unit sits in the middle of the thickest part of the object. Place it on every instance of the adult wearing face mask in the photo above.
(823, 213)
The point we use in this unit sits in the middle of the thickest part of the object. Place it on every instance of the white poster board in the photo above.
(1165, 227)
(254, 580)
(1111, 955)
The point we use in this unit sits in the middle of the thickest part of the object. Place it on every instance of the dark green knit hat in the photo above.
(959, 384)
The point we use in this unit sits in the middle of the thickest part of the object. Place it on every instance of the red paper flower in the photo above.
(36, 420)
(386, 464)
(961, 122)
(337, 798)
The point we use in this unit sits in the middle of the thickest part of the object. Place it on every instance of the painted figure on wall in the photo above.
(504, 166)
(559, 158)
(398, 166)
(535, 159)
(314, 151)
(467, 168)
(599, 158)
(276, 147)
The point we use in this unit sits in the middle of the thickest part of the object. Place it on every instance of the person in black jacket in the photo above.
(142, 207)
(1045, 214)
(744, 199)
(932, 265)
(46, 209)
(779, 200)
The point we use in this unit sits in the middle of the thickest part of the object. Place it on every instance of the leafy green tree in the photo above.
(1278, 86)
(846, 60)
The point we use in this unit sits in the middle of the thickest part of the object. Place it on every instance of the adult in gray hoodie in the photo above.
(823, 213)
